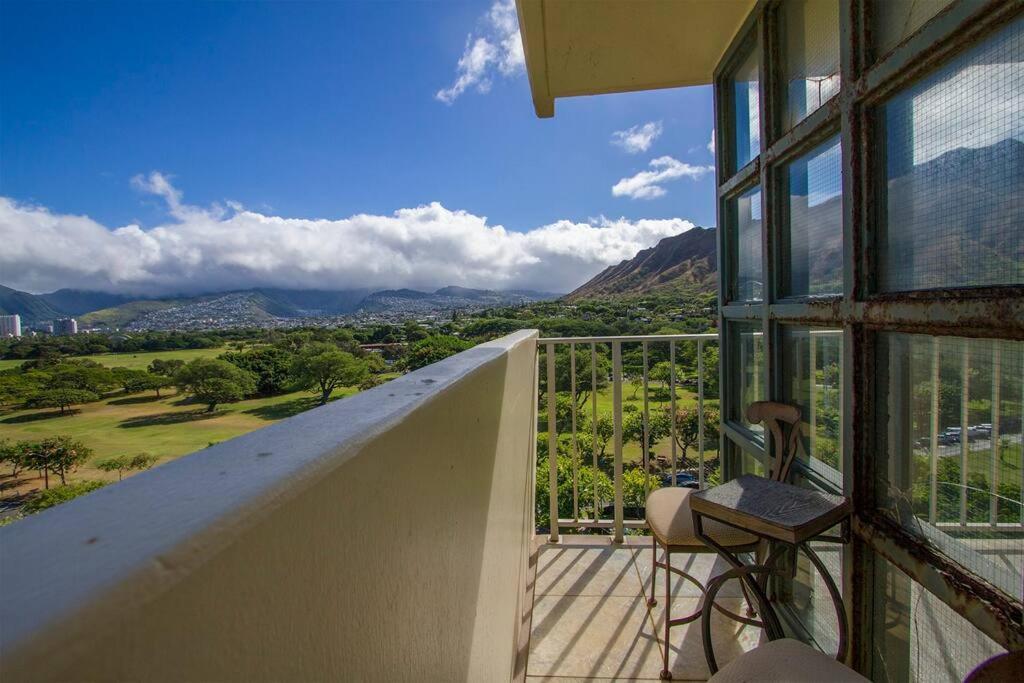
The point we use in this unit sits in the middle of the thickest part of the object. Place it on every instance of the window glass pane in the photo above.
(807, 595)
(746, 364)
(950, 470)
(813, 245)
(751, 465)
(746, 110)
(895, 20)
(812, 379)
(747, 280)
(811, 36)
(955, 168)
(917, 637)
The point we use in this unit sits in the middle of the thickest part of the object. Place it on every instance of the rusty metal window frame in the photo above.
(862, 311)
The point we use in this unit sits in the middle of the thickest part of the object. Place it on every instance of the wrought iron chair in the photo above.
(670, 520)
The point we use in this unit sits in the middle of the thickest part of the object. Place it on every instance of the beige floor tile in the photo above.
(593, 636)
(587, 570)
(702, 566)
(686, 654)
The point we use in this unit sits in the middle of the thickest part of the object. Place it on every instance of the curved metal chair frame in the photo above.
(774, 416)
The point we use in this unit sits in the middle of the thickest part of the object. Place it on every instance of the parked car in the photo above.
(684, 479)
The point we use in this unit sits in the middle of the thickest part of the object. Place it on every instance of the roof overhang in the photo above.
(592, 47)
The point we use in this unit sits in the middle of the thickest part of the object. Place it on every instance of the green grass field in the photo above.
(168, 427)
(140, 360)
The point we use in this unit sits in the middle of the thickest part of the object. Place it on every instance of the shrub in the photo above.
(60, 494)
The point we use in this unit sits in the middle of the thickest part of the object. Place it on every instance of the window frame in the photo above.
(862, 311)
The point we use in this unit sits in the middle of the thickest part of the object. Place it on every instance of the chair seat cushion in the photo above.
(671, 521)
(785, 661)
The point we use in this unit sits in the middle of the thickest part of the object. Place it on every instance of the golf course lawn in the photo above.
(166, 427)
(136, 361)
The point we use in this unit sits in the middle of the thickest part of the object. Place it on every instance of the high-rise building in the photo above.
(65, 326)
(10, 325)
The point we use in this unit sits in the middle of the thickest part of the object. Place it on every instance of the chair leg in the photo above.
(666, 675)
(652, 601)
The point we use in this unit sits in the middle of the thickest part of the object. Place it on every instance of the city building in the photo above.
(65, 326)
(10, 325)
(867, 174)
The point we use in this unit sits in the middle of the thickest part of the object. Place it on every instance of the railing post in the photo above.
(933, 496)
(993, 496)
(593, 425)
(646, 435)
(700, 413)
(813, 417)
(575, 446)
(552, 444)
(965, 418)
(672, 405)
(617, 425)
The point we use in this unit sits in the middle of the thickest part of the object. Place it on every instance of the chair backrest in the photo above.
(779, 418)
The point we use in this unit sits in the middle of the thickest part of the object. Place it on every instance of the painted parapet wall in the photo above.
(383, 536)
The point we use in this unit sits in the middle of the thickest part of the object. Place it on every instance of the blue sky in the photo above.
(316, 111)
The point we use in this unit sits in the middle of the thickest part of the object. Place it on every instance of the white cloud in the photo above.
(498, 46)
(647, 184)
(711, 143)
(224, 248)
(637, 138)
(974, 107)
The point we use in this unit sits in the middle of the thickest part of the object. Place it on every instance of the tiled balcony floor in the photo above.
(591, 620)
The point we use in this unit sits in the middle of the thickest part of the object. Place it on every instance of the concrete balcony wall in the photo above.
(384, 536)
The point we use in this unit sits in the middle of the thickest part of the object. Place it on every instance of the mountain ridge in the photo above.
(254, 305)
(687, 260)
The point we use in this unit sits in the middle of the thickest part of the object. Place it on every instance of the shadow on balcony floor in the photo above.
(591, 620)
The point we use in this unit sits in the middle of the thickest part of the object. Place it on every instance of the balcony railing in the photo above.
(299, 551)
(591, 374)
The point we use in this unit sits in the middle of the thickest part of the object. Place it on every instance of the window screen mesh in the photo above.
(748, 280)
(896, 20)
(950, 413)
(812, 359)
(813, 243)
(954, 145)
(746, 110)
(811, 39)
(917, 637)
(746, 365)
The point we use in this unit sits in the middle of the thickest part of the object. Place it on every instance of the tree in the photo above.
(61, 397)
(132, 381)
(563, 372)
(16, 386)
(14, 454)
(157, 382)
(59, 455)
(636, 484)
(658, 427)
(270, 364)
(213, 381)
(84, 375)
(166, 368)
(688, 427)
(126, 463)
(434, 349)
(322, 367)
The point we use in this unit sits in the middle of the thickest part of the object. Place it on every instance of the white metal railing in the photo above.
(596, 346)
(966, 435)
